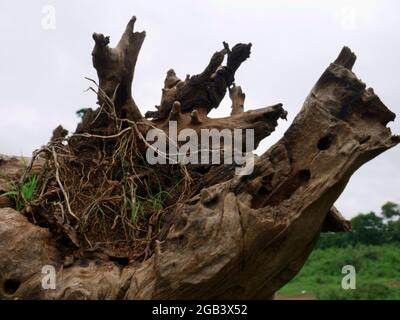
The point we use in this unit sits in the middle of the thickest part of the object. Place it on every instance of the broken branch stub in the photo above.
(206, 90)
(115, 69)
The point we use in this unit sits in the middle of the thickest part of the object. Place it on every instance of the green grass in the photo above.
(21, 195)
(135, 207)
(377, 273)
(156, 202)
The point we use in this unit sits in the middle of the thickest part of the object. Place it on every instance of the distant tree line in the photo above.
(368, 229)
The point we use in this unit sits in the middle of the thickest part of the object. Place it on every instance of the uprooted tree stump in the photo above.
(116, 227)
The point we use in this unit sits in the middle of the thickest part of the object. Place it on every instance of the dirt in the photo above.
(304, 296)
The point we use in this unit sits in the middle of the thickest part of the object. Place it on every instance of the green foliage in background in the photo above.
(373, 248)
(377, 273)
(368, 229)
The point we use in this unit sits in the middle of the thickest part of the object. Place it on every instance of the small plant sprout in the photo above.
(22, 194)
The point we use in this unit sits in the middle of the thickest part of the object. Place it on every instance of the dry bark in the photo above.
(239, 236)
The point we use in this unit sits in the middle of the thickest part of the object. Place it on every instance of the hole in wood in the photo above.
(123, 261)
(264, 197)
(303, 176)
(11, 286)
(325, 142)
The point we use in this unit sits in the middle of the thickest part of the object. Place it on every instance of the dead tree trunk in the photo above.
(234, 236)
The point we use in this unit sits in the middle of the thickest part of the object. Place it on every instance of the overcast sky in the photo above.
(42, 70)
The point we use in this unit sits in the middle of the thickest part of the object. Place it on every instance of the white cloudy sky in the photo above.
(42, 72)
